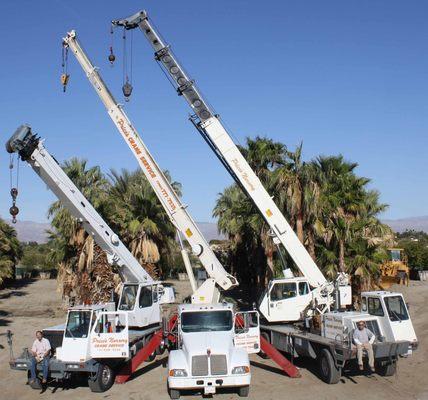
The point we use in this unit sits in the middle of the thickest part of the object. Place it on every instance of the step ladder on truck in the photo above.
(298, 311)
(226, 365)
(98, 339)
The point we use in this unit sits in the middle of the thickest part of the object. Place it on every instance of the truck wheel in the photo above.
(329, 373)
(161, 349)
(265, 336)
(387, 370)
(153, 355)
(243, 391)
(104, 380)
(174, 394)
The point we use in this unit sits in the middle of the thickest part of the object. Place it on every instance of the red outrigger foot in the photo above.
(141, 356)
(290, 369)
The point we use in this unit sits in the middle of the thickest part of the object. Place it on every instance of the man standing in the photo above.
(40, 353)
(364, 338)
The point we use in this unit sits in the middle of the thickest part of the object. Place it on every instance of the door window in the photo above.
(303, 288)
(282, 291)
(146, 299)
(375, 307)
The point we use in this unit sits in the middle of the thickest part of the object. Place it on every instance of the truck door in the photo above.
(109, 336)
(247, 331)
(288, 299)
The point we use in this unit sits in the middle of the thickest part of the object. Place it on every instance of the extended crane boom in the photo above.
(32, 150)
(169, 199)
(213, 131)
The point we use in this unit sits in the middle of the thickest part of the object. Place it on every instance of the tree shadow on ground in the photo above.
(15, 288)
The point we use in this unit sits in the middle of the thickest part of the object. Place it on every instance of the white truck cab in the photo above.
(393, 315)
(212, 349)
(142, 302)
(94, 331)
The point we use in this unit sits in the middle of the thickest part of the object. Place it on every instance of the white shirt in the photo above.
(362, 336)
(40, 347)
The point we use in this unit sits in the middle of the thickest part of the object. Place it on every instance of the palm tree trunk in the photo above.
(299, 226)
(311, 243)
(342, 265)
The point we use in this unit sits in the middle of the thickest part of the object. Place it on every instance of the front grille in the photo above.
(218, 364)
(199, 365)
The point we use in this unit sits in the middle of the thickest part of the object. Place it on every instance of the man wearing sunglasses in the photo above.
(364, 338)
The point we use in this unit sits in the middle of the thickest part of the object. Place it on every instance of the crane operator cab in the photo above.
(285, 299)
(142, 302)
(393, 315)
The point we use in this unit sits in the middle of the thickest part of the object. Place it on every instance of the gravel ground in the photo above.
(35, 305)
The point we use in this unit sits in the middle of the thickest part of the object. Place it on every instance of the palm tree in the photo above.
(81, 260)
(140, 220)
(10, 251)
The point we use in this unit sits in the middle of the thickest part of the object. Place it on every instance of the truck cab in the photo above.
(285, 299)
(212, 349)
(142, 302)
(393, 315)
(89, 330)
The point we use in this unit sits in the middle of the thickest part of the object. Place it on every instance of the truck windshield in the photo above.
(78, 324)
(396, 308)
(206, 321)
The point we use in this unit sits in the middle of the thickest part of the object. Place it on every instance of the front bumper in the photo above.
(209, 383)
(57, 368)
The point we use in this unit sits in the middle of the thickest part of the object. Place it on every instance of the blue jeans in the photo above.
(45, 367)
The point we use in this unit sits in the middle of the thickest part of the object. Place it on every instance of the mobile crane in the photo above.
(292, 299)
(176, 210)
(96, 339)
(320, 299)
(220, 359)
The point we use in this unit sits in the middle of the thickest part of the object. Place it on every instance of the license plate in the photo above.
(209, 389)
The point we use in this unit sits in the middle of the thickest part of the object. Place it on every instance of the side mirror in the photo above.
(408, 306)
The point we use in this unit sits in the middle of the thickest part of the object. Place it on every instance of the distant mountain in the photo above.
(30, 231)
(209, 230)
(416, 223)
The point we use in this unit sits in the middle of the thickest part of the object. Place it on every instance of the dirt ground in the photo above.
(34, 305)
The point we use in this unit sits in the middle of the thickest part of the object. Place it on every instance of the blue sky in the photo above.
(346, 77)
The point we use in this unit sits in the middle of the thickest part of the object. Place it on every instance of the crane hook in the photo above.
(14, 210)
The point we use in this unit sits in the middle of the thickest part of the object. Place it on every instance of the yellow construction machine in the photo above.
(395, 270)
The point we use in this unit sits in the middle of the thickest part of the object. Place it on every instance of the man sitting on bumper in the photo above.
(40, 352)
(364, 338)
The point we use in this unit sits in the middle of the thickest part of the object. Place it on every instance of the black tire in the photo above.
(387, 370)
(161, 349)
(328, 371)
(174, 394)
(104, 379)
(265, 336)
(153, 355)
(244, 391)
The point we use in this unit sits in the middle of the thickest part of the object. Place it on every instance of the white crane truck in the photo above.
(290, 304)
(96, 339)
(213, 341)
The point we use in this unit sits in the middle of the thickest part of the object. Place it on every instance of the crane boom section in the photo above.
(32, 150)
(172, 204)
(214, 132)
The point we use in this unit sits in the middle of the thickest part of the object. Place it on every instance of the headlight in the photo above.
(72, 366)
(243, 369)
(177, 372)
